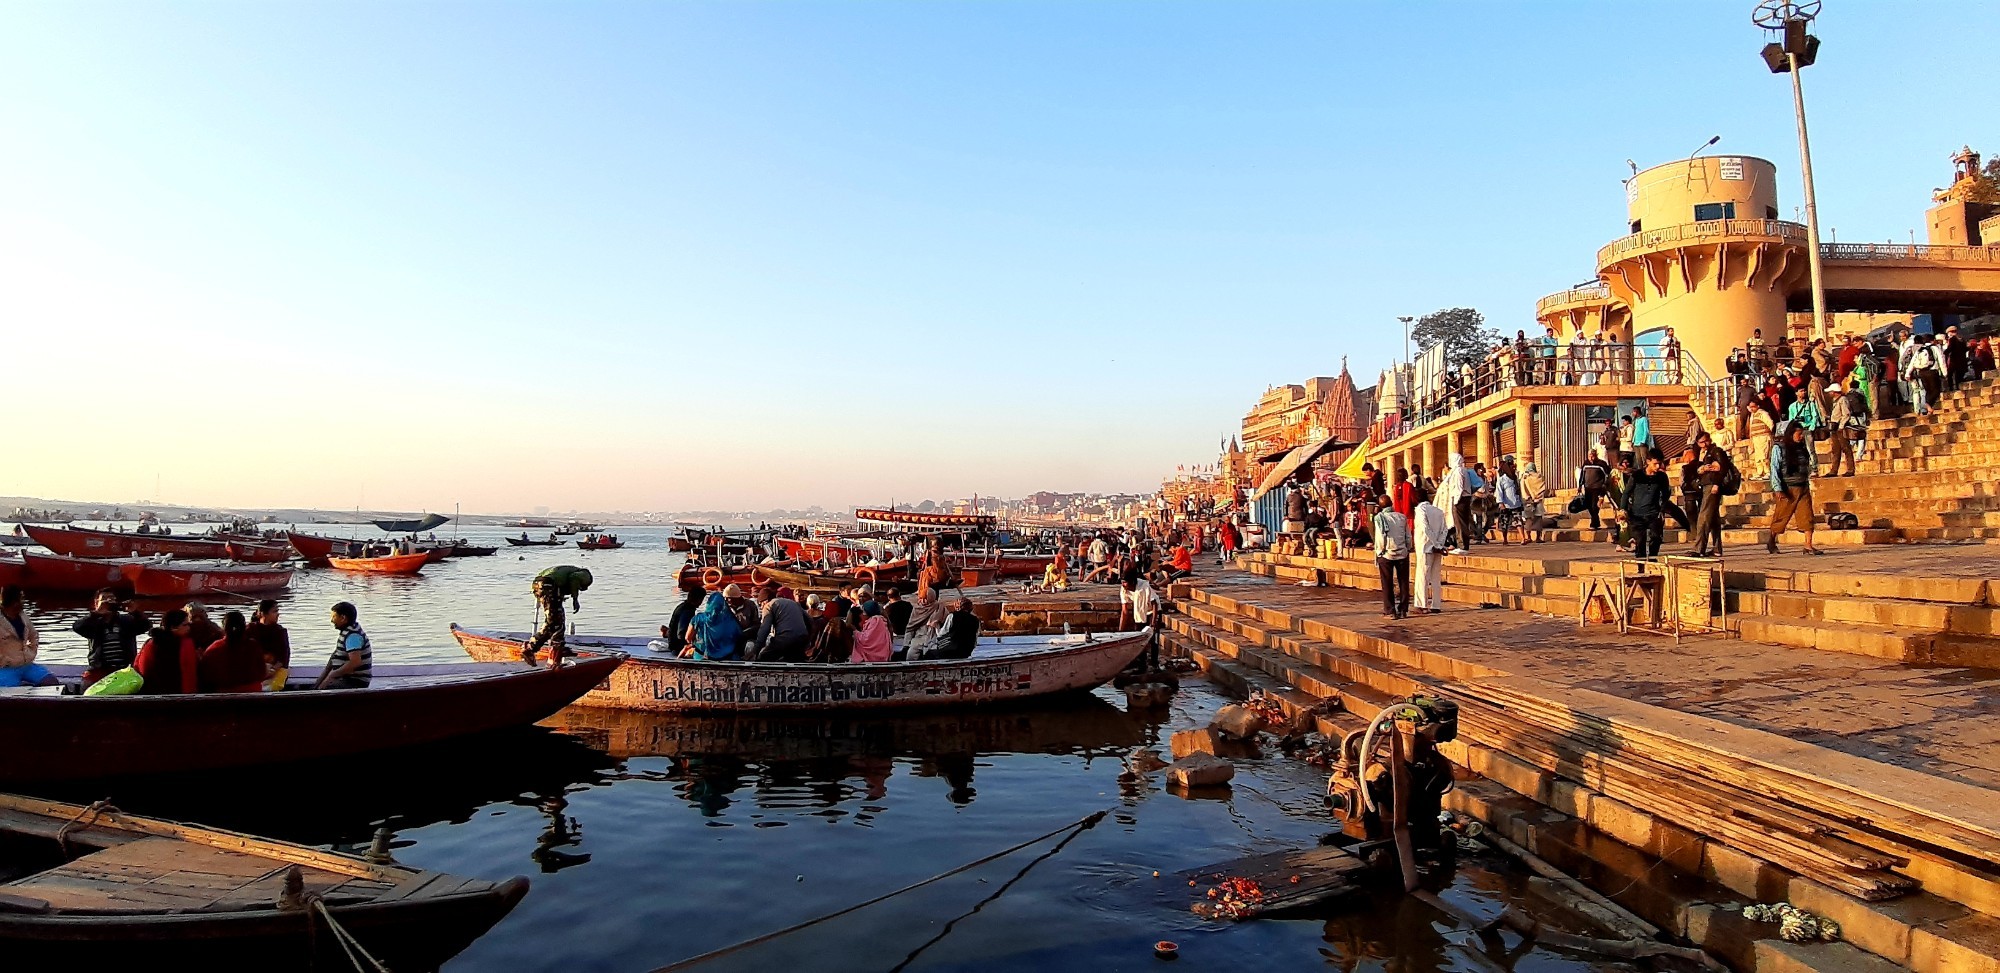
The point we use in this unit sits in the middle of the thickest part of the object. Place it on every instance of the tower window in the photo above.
(1704, 212)
(1635, 226)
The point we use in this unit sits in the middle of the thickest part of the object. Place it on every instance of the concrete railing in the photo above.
(1609, 364)
(1587, 294)
(1909, 251)
(1667, 236)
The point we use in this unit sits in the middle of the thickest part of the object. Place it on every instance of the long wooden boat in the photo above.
(1007, 668)
(106, 890)
(434, 553)
(464, 549)
(517, 542)
(404, 705)
(600, 544)
(194, 578)
(807, 579)
(1010, 564)
(679, 544)
(55, 572)
(715, 577)
(254, 553)
(387, 564)
(317, 550)
(13, 570)
(83, 542)
(910, 518)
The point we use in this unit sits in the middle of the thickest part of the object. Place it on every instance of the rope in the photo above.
(83, 819)
(983, 903)
(348, 944)
(1083, 824)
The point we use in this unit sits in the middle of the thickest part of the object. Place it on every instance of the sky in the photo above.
(656, 256)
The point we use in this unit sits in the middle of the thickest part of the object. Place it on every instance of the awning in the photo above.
(1295, 461)
(1351, 469)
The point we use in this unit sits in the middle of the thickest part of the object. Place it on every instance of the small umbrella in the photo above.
(1295, 461)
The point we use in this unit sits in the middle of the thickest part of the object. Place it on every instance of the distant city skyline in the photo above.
(732, 256)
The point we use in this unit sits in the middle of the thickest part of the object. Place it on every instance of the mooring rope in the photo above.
(1080, 825)
(83, 819)
(348, 944)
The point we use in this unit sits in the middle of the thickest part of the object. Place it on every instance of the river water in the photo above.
(652, 839)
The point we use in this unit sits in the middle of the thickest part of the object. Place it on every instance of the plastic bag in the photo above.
(659, 645)
(124, 682)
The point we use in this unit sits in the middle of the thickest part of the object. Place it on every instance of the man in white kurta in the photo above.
(1429, 546)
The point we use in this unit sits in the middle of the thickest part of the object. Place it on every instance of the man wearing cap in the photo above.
(747, 620)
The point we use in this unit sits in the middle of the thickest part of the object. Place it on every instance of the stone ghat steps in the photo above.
(1905, 619)
(1305, 659)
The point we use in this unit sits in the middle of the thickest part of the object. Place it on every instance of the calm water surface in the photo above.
(651, 839)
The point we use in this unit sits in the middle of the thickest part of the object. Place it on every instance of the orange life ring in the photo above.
(711, 577)
(758, 577)
(869, 573)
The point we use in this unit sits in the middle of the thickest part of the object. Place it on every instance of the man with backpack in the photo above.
(1719, 478)
(550, 587)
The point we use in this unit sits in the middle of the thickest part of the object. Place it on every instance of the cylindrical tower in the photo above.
(1707, 255)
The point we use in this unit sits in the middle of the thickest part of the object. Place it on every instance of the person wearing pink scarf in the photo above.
(873, 642)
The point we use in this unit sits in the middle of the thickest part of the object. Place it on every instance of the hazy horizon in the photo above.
(694, 256)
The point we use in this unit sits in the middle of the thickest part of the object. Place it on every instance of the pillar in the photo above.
(1524, 431)
(1483, 450)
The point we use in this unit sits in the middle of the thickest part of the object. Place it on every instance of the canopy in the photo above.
(1351, 469)
(1295, 461)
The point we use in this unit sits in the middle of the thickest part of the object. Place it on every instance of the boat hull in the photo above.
(517, 542)
(101, 736)
(600, 546)
(54, 572)
(78, 542)
(257, 553)
(169, 580)
(316, 549)
(995, 674)
(429, 522)
(392, 564)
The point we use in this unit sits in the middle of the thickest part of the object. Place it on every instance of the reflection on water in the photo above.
(651, 838)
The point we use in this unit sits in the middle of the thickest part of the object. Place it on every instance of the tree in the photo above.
(1461, 330)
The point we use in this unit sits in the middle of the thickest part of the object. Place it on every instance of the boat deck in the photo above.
(150, 874)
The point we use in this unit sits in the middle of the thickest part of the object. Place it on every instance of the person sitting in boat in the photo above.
(113, 634)
(204, 629)
(233, 663)
(20, 644)
(676, 629)
(873, 642)
(897, 611)
(747, 618)
(782, 633)
(834, 642)
(353, 663)
(958, 634)
(712, 636)
(274, 642)
(169, 661)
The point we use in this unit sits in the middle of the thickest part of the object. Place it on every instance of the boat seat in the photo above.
(154, 874)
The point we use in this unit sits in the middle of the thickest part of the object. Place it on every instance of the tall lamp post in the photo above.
(1406, 319)
(1794, 48)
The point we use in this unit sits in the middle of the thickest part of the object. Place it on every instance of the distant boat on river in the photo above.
(429, 522)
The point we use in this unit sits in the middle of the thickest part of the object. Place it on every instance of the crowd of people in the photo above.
(770, 624)
(187, 651)
(1892, 373)
(1598, 359)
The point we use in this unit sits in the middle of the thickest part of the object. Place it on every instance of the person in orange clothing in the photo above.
(169, 661)
(1403, 495)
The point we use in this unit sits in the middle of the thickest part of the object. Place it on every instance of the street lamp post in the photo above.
(1793, 50)
(1406, 338)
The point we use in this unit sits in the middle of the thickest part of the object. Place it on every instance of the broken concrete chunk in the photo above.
(1200, 770)
(1238, 721)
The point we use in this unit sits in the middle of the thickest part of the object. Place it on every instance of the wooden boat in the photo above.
(16, 540)
(429, 522)
(107, 890)
(1002, 669)
(83, 542)
(387, 564)
(13, 570)
(1009, 564)
(518, 542)
(910, 518)
(250, 553)
(600, 544)
(405, 705)
(808, 579)
(433, 553)
(316, 549)
(55, 572)
(463, 549)
(153, 580)
(679, 544)
(714, 578)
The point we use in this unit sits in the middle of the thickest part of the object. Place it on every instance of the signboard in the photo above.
(1731, 168)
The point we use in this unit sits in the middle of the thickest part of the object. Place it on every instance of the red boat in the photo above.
(600, 544)
(105, 736)
(316, 549)
(12, 570)
(193, 578)
(54, 572)
(910, 518)
(389, 564)
(252, 553)
(715, 578)
(82, 542)
(1010, 565)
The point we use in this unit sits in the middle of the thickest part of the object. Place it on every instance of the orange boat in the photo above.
(390, 564)
(57, 572)
(193, 578)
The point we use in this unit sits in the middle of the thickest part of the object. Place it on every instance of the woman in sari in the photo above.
(921, 632)
(873, 642)
(712, 634)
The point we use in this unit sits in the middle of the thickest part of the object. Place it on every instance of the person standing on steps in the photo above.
(1793, 465)
(1647, 496)
(1392, 558)
(1593, 481)
(1430, 539)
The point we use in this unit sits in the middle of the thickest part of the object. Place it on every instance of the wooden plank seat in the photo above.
(157, 873)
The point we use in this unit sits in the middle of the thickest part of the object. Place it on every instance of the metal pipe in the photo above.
(1812, 204)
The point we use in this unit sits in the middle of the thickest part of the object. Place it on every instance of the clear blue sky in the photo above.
(689, 255)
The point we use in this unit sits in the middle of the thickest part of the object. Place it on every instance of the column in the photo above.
(1524, 431)
(1483, 450)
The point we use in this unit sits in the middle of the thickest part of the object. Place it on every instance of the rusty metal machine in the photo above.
(1389, 781)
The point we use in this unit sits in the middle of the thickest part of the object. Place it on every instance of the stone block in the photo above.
(1238, 721)
(1970, 944)
(1210, 742)
(1722, 930)
(1200, 770)
(1621, 821)
(1515, 774)
(1779, 956)
(1746, 875)
(1570, 798)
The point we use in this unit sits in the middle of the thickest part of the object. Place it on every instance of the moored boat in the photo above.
(527, 542)
(12, 569)
(1006, 668)
(466, 549)
(404, 705)
(173, 578)
(807, 579)
(56, 572)
(387, 564)
(84, 542)
(257, 553)
(429, 522)
(600, 543)
(104, 889)
(316, 549)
